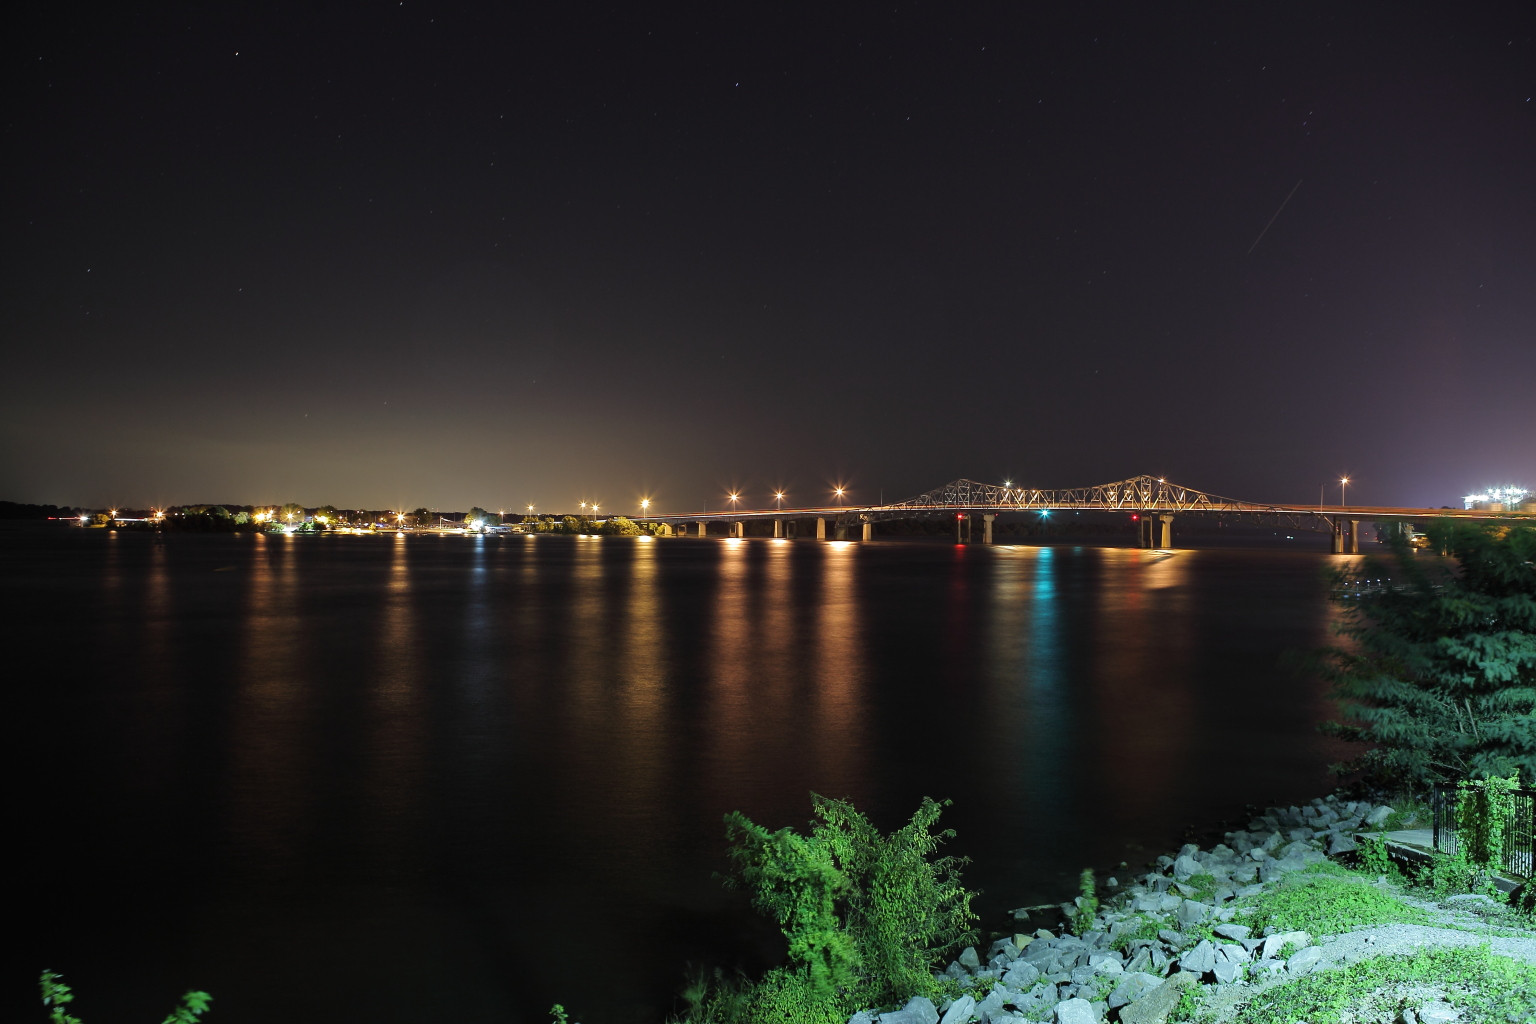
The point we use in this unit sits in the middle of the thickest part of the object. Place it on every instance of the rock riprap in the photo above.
(1174, 928)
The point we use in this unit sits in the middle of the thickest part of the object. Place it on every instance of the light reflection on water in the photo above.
(499, 748)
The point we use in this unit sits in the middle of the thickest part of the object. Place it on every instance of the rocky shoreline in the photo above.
(1177, 930)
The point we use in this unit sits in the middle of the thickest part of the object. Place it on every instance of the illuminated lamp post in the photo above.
(1343, 482)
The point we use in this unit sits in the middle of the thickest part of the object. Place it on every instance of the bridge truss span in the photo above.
(1139, 494)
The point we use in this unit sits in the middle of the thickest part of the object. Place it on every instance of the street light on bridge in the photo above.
(1343, 482)
(838, 492)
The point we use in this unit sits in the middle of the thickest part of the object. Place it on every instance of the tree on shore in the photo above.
(1438, 674)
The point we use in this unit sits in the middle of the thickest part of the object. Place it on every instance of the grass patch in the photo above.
(1327, 899)
(1146, 929)
(1484, 987)
(1204, 887)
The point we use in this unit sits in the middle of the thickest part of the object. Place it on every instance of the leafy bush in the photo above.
(1483, 810)
(1523, 899)
(57, 995)
(1440, 675)
(866, 916)
(1374, 858)
(1087, 903)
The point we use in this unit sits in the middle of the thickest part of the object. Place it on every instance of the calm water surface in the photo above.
(454, 779)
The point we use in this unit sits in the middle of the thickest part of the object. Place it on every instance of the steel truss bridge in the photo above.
(1155, 500)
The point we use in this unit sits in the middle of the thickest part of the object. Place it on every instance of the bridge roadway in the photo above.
(1152, 500)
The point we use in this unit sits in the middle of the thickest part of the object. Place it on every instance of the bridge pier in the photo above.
(738, 529)
(1336, 545)
(821, 529)
(1354, 536)
(963, 528)
(986, 526)
(869, 530)
(778, 528)
(1167, 532)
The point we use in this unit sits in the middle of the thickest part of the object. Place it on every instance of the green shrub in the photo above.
(1448, 873)
(1523, 899)
(866, 916)
(1483, 810)
(1374, 858)
(1087, 903)
(1438, 675)
(57, 995)
(791, 997)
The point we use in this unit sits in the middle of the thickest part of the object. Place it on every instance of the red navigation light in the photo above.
(1134, 517)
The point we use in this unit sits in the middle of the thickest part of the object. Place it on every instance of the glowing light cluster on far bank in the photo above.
(1509, 497)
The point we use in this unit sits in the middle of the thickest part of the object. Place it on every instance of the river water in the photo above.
(401, 778)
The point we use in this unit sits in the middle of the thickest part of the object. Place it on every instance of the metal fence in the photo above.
(1519, 829)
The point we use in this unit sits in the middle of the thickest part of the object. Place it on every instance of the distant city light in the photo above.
(1509, 497)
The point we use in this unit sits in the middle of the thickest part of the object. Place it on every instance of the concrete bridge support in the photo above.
(1166, 538)
(1336, 526)
(701, 529)
(987, 519)
(1354, 536)
(963, 529)
(738, 529)
(821, 529)
(778, 528)
(869, 530)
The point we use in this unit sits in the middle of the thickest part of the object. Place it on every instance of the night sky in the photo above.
(417, 254)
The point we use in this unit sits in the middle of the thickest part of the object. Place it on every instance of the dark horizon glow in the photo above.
(414, 256)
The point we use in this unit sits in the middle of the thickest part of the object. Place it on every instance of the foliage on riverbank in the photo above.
(1483, 987)
(57, 995)
(866, 916)
(1438, 675)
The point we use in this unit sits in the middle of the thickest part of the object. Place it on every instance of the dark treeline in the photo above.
(20, 510)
